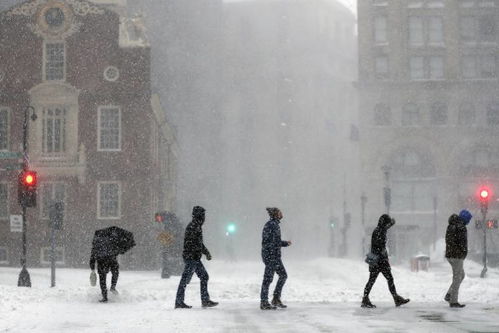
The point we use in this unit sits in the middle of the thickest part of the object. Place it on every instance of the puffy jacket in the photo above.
(193, 241)
(456, 238)
(271, 241)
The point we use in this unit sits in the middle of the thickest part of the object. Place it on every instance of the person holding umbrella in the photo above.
(106, 246)
(193, 251)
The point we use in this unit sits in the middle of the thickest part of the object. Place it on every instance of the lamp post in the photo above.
(24, 278)
(387, 191)
(363, 201)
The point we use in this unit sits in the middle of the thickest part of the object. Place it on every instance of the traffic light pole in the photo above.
(484, 214)
(24, 278)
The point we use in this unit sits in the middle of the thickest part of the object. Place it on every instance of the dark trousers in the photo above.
(191, 267)
(103, 267)
(384, 269)
(271, 268)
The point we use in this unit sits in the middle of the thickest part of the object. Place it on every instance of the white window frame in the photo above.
(99, 128)
(45, 260)
(64, 135)
(45, 60)
(382, 67)
(380, 32)
(428, 68)
(8, 111)
(425, 23)
(99, 216)
(7, 261)
(52, 192)
(7, 211)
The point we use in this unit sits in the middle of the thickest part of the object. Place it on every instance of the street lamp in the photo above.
(24, 278)
(363, 201)
(387, 191)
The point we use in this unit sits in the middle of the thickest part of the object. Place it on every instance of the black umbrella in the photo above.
(110, 242)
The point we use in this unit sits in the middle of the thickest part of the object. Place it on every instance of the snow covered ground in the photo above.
(323, 296)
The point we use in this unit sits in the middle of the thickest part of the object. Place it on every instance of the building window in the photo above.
(479, 28)
(54, 130)
(493, 114)
(466, 115)
(479, 66)
(109, 199)
(55, 61)
(109, 131)
(487, 28)
(414, 4)
(380, 3)
(426, 68)
(380, 30)
(381, 67)
(4, 256)
(410, 115)
(438, 113)
(4, 128)
(45, 255)
(51, 192)
(4, 200)
(382, 115)
(427, 30)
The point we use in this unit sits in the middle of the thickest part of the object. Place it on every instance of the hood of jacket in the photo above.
(455, 220)
(385, 221)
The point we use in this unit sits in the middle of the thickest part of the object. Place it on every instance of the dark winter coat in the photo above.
(102, 261)
(193, 241)
(378, 239)
(271, 242)
(456, 238)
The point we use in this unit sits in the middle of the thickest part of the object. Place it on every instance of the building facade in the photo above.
(100, 143)
(429, 113)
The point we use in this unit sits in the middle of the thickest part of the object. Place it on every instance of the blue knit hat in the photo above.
(465, 216)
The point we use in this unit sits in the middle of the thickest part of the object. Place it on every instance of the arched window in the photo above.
(382, 115)
(493, 114)
(438, 115)
(410, 115)
(466, 114)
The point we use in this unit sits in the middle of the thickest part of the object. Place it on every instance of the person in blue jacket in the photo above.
(271, 255)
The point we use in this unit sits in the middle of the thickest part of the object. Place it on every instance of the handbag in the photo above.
(93, 279)
(372, 259)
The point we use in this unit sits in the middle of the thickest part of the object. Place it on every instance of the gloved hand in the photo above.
(208, 256)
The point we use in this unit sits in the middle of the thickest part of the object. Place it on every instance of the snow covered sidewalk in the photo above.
(323, 296)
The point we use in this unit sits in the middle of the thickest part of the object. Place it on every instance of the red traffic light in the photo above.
(492, 224)
(158, 217)
(484, 194)
(29, 178)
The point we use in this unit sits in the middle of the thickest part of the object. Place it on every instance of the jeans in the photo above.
(457, 278)
(103, 267)
(271, 268)
(384, 269)
(192, 266)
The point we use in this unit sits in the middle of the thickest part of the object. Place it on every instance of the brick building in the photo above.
(101, 142)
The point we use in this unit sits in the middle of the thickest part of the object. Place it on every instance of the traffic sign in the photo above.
(16, 223)
(7, 155)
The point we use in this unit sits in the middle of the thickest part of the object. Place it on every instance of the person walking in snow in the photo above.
(104, 265)
(456, 250)
(271, 255)
(193, 250)
(381, 264)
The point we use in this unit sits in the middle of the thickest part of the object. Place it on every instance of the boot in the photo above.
(265, 305)
(276, 301)
(399, 300)
(182, 305)
(208, 304)
(104, 297)
(447, 298)
(456, 305)
(114, 291)
(366, 303)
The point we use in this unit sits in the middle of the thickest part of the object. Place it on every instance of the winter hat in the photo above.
(198, 212)
(465, 216)
(273, 212)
